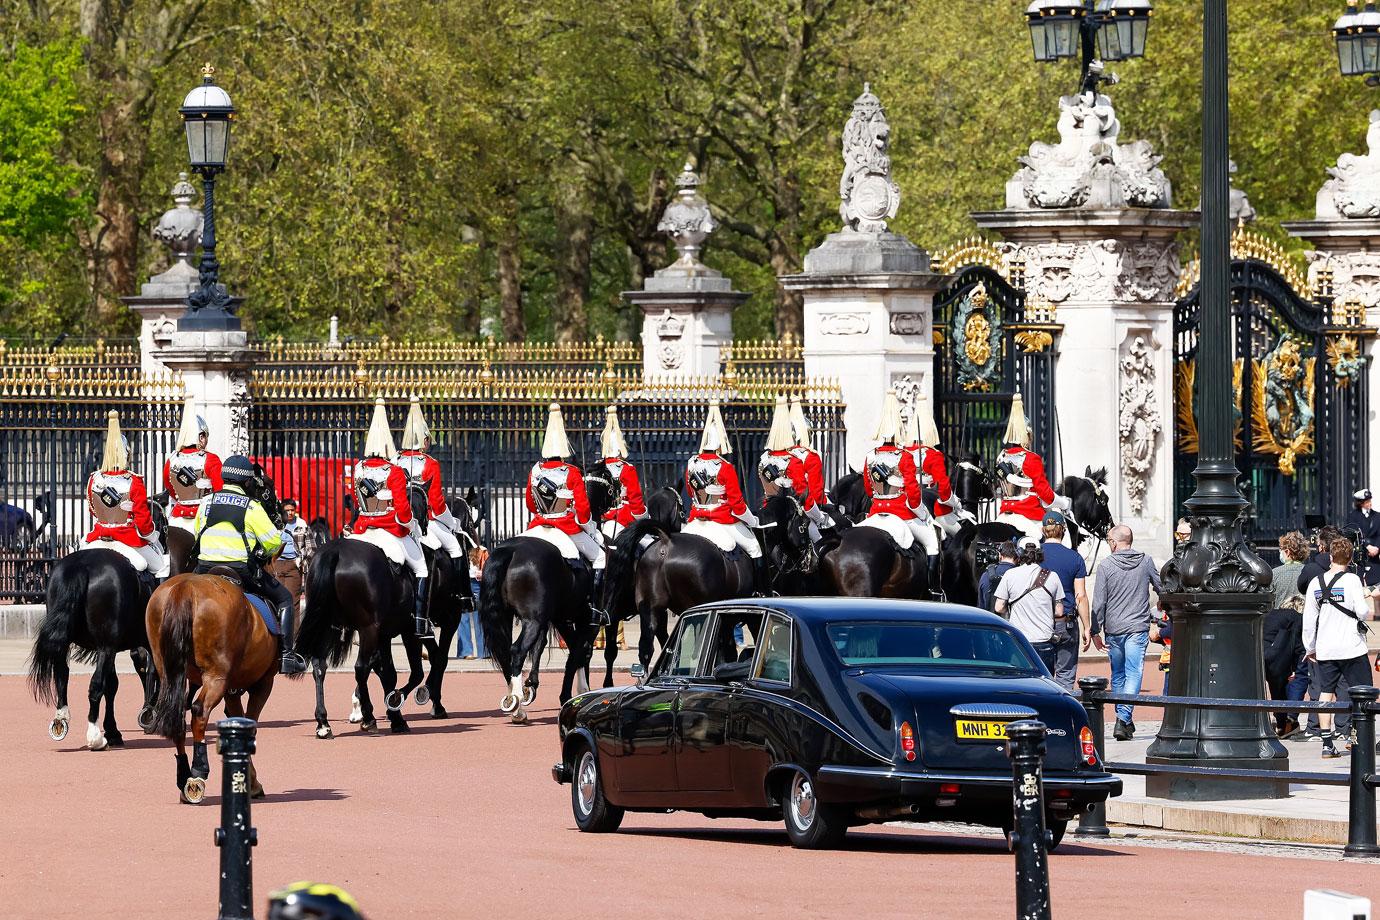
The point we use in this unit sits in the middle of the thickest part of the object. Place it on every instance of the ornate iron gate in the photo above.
(1301, 391)
(991, 342)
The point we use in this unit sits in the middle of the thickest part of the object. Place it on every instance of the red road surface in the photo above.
(461, 819)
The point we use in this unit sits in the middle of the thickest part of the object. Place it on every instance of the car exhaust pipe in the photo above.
(887, 812)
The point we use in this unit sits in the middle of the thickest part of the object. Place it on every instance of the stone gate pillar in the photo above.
(687, 307)
(868, 293)
(1091, 221)
(1346, 233)
(215, 371)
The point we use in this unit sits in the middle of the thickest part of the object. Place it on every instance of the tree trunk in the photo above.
(120, 173)
(782, 248)
(510, 282)
(574, 239)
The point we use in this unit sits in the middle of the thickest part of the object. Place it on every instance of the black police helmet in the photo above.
(237, 469)
(312, 901)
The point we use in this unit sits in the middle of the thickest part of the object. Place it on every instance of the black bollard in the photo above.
(235, 836)
(1025, 746)
(1361, 823)
(1093, 822)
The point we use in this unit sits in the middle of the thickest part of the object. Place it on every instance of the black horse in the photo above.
(850, 496)
(1089, 511)
(449, 589)
(975, 487)
(867, 563)
(664, 507)
(95, 609)
(527, 580)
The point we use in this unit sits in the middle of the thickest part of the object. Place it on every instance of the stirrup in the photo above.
(292, 662)
(599, 617)
(425, 628)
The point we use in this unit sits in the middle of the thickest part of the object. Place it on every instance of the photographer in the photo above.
(1334, 635)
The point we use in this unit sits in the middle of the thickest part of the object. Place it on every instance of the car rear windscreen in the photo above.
(928, 645)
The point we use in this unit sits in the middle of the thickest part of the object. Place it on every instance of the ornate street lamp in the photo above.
(1216, 588)
(1099, 30)
(207, 113)
(1358, 42)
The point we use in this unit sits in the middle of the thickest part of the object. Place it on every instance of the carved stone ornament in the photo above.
(671, 354)
(240, 402)
(907, 323)
(670, 330)
(869, 197)
(1239, 209)
(1147, 272)
(1088, 168)
(670, 326)
(1355, 276)
(1138, 420)
(1354, 189)
(687, 220)
(907, 392)
(180, 227)
(844, 324)
(977, 339)
(1105, 271)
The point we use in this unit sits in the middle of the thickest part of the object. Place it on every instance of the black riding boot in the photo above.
(761, 577)
(292, 662)
(423, 622)
(936, 586)
(598, 615)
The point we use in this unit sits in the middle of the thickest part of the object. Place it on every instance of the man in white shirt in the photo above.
(1334, 607)
(1031, 597)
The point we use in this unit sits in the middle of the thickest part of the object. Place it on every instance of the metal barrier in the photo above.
(1361, 779)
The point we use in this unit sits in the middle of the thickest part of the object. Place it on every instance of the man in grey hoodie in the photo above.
(1121, 612)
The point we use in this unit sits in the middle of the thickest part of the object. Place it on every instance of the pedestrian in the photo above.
(16, 524)
(1162, 633)
(1121, 612)
(991, 577)
(471, 648)
(1365, 521)
(1071, 634)
(1334, 634)
(287, 567)
(1031, 597)
(1293, 551)
(1321, 560)
(1182, 531)
(1283, 644)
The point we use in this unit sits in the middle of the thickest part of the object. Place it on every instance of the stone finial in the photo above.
(180, 227)
(868, 196)
(1354, 189)
(1088, 168)
(687, 220)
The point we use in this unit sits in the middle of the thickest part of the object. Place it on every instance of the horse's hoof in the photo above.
(256, 791)
(115, 739)
(519, 717)
(324, 732)
(423, 695)
(57, 729)
(439, 712)
(393, 700)
(146, 719)
(529, 695)
(509, 703)
(356, 716)
(398, 726)
(370, 727)
(194, 790)
(95, 739)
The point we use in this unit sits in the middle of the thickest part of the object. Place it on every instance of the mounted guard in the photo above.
(385, 515)
(627, 504)
(717, 509)
(560, 510)
(779, 468)
(1026, 490)
(922, 438)
(191, 473)
(119, 506)
(814, 466)
(234, 531)
(891, 478)
(424, 474)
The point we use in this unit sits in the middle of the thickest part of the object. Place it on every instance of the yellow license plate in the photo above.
(974, 730)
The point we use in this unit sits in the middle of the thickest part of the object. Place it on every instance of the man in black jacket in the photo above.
(1363, 519)
(1283, 653)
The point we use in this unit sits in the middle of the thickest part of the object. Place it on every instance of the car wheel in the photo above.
(593, 813)
(810, 823)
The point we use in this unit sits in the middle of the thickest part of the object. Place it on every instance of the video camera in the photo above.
(1316, 522)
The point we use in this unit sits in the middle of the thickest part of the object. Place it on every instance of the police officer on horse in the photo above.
(234, 531)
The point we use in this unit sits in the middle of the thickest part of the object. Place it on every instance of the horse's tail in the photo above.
(318, 637)
(66, 600)
(174, 643)
(621, 571)
(498, 629)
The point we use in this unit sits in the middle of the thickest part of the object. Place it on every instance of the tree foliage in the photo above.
(500, 165)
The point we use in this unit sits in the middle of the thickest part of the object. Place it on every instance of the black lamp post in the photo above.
(1216, 587)
(1101, 30)
(207, 114)
(1358, 42)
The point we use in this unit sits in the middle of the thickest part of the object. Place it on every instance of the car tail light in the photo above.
(1063, 793)
(908, 741)
(1085, 741)
(948, 789)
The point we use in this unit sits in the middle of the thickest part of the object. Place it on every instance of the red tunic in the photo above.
(904, 503)
(576, 513)
(631, 506)
(211, 471)
(137, 528)
(1041, 496)
(398, 521)
(795, 472)
(930, 462)
(430, 475)
(814, 475)
(732, 504)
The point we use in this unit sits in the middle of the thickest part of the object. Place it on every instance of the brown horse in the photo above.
(202, 631)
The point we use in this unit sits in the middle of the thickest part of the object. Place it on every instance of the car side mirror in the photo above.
(638, 672)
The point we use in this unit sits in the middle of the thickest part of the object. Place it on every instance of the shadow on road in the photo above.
(863, 842)
(292, 795)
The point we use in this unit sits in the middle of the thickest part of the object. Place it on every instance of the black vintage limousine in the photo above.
(828, 712)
